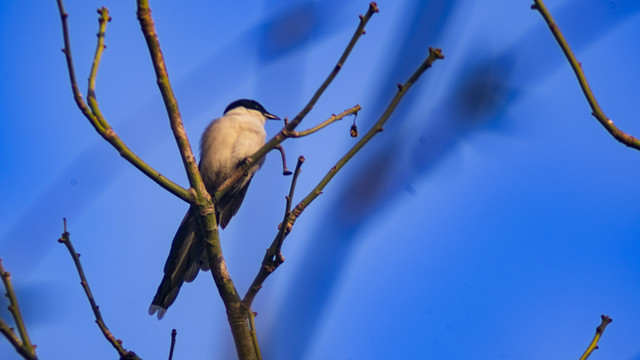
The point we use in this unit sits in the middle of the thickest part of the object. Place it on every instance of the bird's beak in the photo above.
(271, 116)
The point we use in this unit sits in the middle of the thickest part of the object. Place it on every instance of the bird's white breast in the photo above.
(227, 141)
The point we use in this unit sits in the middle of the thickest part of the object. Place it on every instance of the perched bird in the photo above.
(226, 142)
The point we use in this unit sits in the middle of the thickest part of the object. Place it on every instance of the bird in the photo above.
(224, 145)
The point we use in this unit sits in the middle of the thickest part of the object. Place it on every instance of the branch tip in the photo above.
(437, 53)
(373, 7)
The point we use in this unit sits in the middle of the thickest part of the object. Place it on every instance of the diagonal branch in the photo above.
(596, 111)
(95, 117)
(291, 126)
(116, 343)
(434, 54)
(22, 345)
(274, 258)
(599, 330)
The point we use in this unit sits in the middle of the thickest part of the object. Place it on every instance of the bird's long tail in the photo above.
(186, 258)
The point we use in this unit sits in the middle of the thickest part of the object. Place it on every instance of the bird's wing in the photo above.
(230, 203)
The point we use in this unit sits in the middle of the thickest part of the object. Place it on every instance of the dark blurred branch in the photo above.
(93, 113)
(116, 343)
(596, 111)
(291, 126)
(599, 330)
(22, 345)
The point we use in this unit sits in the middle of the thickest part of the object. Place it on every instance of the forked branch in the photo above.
(93, 113)
(273, 257)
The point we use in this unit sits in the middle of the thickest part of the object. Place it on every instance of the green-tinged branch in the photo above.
(93, 113)
(599, 331)
(23, 344)
(596, 110)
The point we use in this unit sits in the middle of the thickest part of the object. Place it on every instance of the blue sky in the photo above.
(494, 218)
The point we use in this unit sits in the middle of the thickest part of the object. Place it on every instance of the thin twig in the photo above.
(273, 258)
(285, 170)
(291, 126)
(351, 111)
(91, 88)
(596, 111)
(23, 345)
(599, 330)
(174, 333)
(116, 343)
(434, 54)
(97, 120)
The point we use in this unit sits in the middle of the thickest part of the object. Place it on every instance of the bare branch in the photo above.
(273, 257)
(170, 102)
(23, 345)
(599, 330)
(96, 118)
(434, 54)
(351, 111)
(596, 111)
(291, 126)
(116, 343)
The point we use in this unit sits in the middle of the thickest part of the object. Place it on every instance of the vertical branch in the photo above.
(23, 345)
(116, 343)
(174, 333)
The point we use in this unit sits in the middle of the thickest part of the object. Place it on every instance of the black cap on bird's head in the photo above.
(250, 105)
